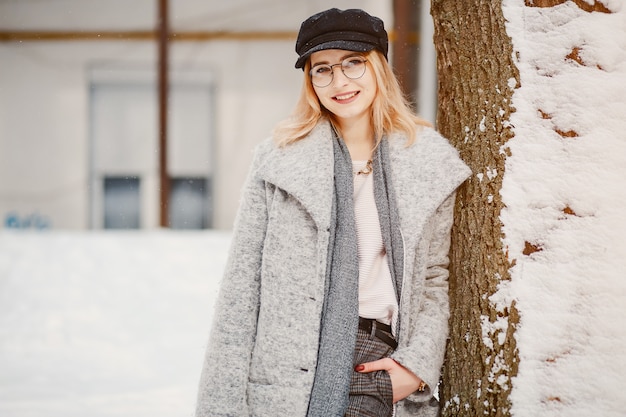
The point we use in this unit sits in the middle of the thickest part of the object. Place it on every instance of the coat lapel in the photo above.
(423, 175)
(304, 170)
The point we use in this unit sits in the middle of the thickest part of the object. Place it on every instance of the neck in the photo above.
(359, 138)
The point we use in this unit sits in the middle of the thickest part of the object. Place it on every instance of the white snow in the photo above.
(105, 323)
(565, 196)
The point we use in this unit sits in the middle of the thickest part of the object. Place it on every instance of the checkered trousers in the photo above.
(370, 393)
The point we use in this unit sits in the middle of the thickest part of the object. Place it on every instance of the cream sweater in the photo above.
(377, 297)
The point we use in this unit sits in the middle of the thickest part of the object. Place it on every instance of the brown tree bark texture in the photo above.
(477, 76)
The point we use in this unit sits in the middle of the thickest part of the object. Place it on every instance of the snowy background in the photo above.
(107, 323)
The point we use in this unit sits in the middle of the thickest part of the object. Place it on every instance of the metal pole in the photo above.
(38, 35)
(163, 94)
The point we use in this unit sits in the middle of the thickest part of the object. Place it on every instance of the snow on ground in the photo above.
(565, 197)
(105, 323)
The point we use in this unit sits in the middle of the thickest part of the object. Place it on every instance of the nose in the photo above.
(339, 77)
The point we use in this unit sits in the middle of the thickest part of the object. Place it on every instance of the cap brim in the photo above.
(345, 45)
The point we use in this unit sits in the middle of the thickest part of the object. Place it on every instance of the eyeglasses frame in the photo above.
(332, 71)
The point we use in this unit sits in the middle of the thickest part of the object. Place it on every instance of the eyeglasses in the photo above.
(352, 67)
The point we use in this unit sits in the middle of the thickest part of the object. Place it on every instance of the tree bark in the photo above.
(477, 77)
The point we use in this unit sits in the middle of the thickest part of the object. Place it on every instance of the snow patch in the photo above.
(564, 195)
(105, 323)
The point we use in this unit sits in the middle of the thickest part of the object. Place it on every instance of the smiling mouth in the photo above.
(345, 97)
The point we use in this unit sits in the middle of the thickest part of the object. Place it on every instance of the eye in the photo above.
(353, 62)
(320, 70)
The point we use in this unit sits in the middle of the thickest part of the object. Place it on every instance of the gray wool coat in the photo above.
(262, 350)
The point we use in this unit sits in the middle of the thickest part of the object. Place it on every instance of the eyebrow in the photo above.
(348, 55)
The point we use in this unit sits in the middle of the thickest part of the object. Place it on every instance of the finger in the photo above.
(379, 365)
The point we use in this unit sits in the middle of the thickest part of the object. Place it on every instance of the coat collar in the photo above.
(424, 174)
(304, 170)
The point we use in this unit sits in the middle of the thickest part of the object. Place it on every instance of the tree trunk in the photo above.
(477, 77)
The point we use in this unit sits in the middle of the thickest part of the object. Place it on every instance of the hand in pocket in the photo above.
(403, 381)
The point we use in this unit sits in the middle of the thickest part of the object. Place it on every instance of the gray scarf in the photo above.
(340, 316)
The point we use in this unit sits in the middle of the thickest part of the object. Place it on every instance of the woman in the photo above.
(334, 300)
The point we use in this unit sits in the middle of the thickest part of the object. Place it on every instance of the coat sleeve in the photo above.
(224, 377)
(424, 353)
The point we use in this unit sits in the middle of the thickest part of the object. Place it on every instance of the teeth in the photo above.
(345, 97)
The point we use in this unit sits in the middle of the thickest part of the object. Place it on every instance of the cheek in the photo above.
(372, 84)
(325, 101)
(372, 90)
(320, 97)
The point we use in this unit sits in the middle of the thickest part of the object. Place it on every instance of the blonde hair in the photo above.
(390, 109)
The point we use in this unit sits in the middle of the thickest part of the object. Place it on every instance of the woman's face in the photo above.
(348, 99)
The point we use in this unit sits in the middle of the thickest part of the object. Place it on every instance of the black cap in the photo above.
(351, 30)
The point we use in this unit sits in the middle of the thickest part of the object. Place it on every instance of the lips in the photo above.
(343, 98)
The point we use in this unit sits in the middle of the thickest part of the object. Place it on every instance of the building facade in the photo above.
(79, 106)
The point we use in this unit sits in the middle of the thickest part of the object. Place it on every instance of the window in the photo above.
(189, 203)
(121, 203)
(124, 140)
